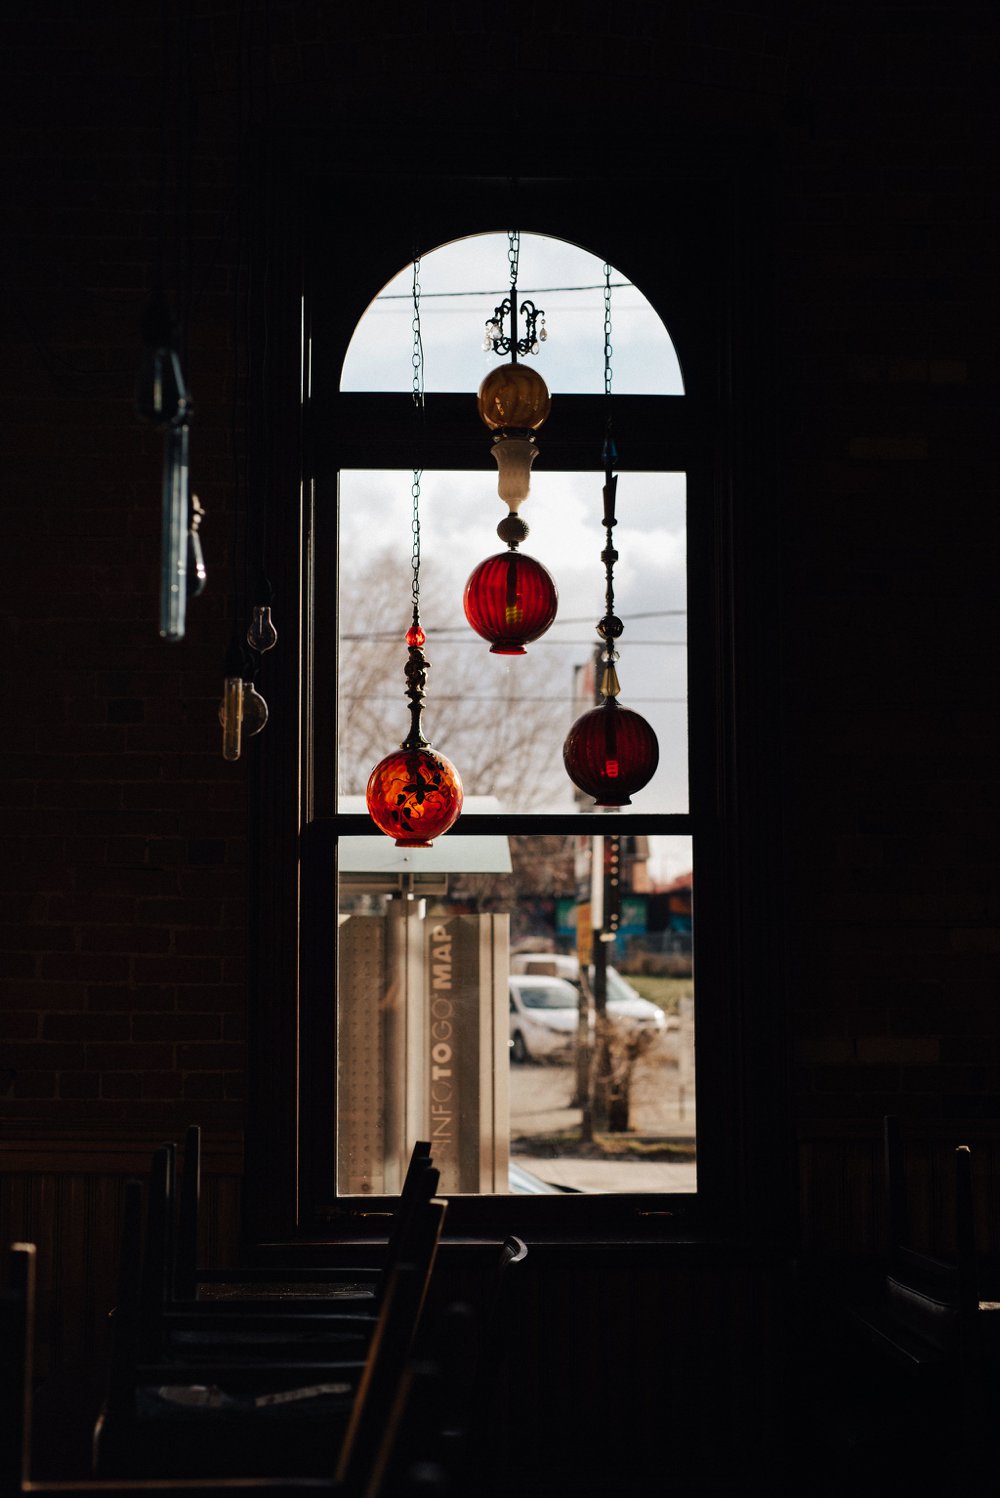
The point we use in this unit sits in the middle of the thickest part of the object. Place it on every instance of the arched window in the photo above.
(458, 992)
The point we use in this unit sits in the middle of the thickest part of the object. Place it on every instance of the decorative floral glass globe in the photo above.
(611, 752)
(414, 795)
(510, 600)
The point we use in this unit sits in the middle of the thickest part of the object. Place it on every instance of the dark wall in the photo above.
(124, 916)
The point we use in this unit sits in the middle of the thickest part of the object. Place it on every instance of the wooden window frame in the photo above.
(705, 278)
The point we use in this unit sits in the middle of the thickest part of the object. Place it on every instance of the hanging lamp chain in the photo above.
(535, 332)
(610, 627)
(417, 361)
(417, 664)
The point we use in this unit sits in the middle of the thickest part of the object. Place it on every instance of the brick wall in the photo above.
(124, 915)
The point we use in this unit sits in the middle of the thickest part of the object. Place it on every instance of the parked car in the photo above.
(544, 1016)
(524, 1182)
(625, 1006)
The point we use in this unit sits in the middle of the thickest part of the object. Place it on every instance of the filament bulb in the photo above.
(174, 533)
(231, 717)
(262, 634)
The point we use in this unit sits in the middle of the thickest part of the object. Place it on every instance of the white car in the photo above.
(624, 1005)
(544, 1017)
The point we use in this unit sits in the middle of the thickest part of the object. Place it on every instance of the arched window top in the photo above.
(462, 282)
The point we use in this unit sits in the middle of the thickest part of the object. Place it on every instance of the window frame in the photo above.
(694, 279)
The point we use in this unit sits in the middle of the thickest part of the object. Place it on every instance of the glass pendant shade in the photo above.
(255, 711)
(513, 397)
(414, 795)
(231, 716)
(174, 533)
(610, 753)
(261, 633)
(510, 600)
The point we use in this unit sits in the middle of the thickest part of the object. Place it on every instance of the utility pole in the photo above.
(601, 1068)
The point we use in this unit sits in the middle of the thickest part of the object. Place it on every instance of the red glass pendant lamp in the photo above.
(610, 752)
(511, 599)
(415, 793)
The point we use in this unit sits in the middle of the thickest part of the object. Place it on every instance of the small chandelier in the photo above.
(415, 793)
(610, 752)
(510, 599)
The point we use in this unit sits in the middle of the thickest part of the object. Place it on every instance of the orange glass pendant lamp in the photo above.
(415, 793)
(511, 599)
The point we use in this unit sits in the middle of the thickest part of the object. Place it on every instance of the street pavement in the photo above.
(541, 1104)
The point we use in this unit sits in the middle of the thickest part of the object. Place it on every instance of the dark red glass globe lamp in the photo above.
(610, 753)
(511, 599)
(415, 793)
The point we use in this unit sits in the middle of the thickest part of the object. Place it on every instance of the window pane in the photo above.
(502, 720)
(462, 283)
(470, 1014)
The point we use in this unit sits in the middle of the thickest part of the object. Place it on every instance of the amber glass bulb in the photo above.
(510, 600)
(414, 795)
(231, 717)
(611, 752)
(513, 397)
(255, 711)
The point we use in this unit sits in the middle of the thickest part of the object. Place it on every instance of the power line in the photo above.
(400, 296)
(554, 702)
(453, 636)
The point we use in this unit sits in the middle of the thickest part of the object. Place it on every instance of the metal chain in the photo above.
(610, 627)
(513, 253)
(417, 361)
(417, 357)
(607, 328)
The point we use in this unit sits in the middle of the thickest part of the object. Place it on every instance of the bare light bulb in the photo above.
(262, 635)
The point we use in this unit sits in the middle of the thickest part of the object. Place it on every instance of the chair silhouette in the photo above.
(925, 1317)
(284, 1307)
(363, 1451)
(189, 1280)
(319, 1360)
(909, 1404)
